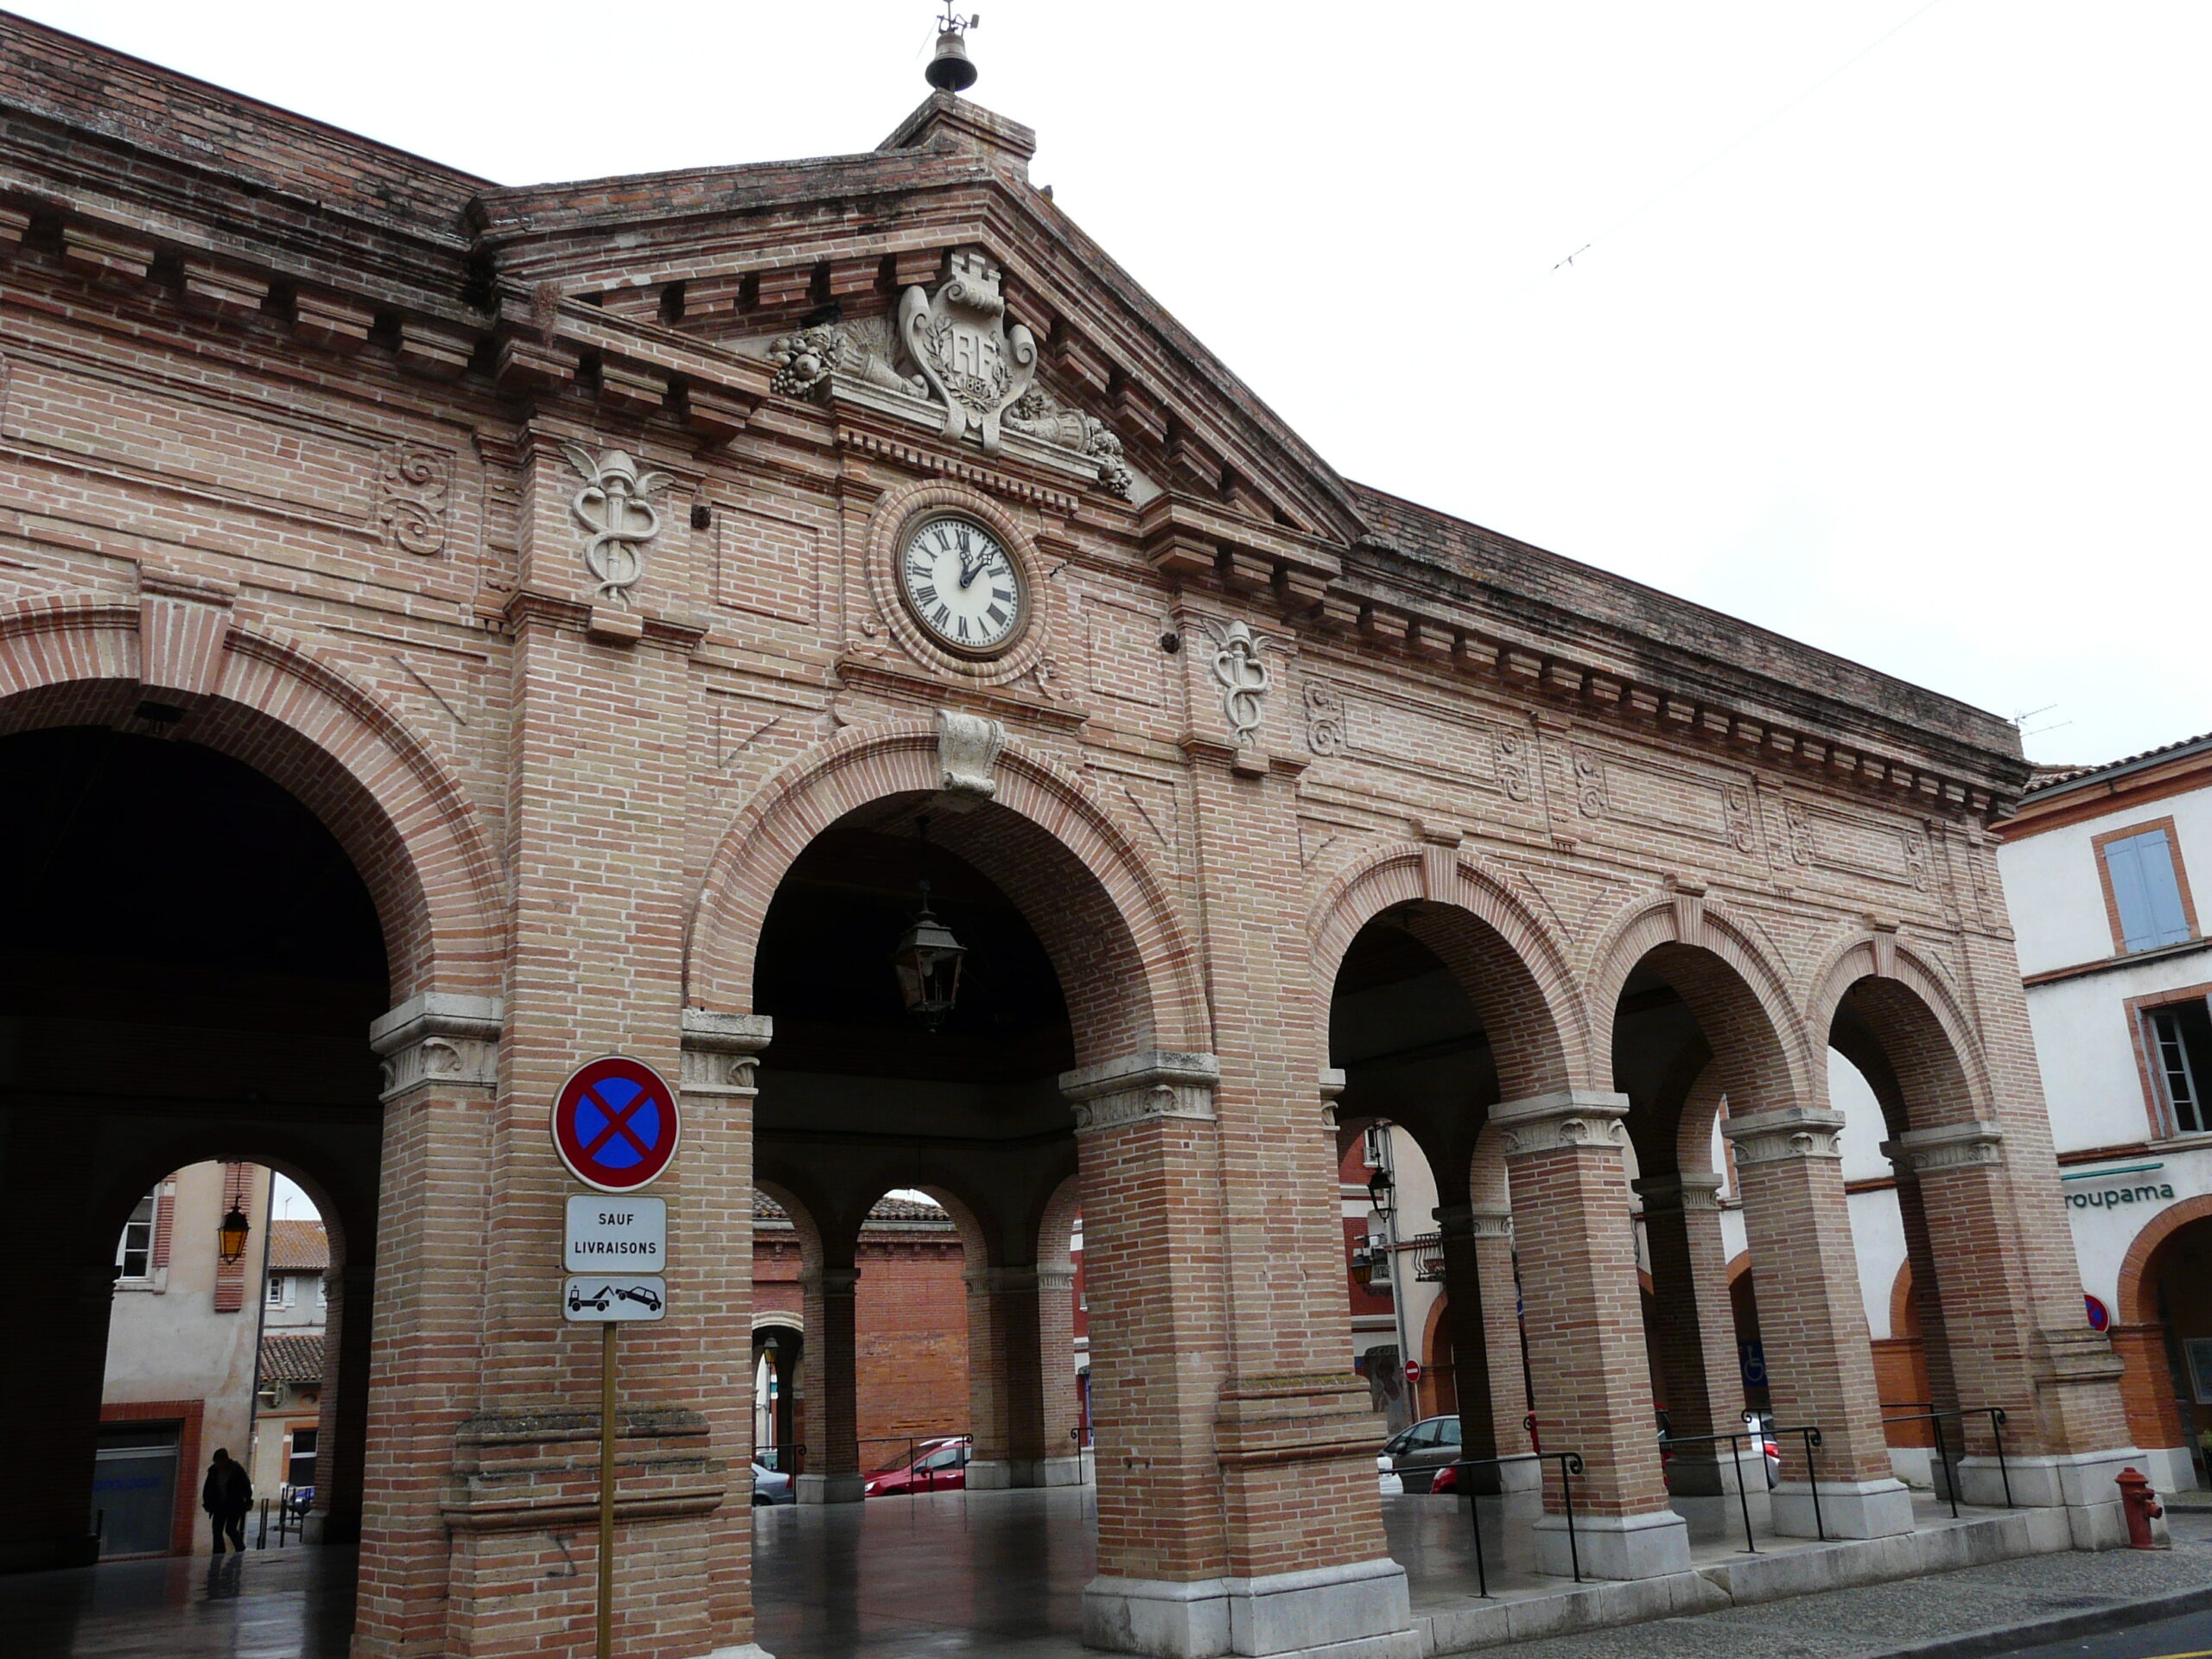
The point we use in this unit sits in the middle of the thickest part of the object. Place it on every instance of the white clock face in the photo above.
(962, 585)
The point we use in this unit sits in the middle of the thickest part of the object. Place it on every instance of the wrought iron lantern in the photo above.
(1383, 1194)
(927, 960)
(231, 1235)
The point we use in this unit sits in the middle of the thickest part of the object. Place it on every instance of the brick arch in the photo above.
(1892, 1014)
(1739, 995)
(1704, 1104)
(1079, 877)
(805, 1227)
(974, 1244)
(1509, 963)
(2139, 1298)
(339, 748)
(1904, 1313)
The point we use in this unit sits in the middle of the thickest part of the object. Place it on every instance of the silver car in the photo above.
(1415, 1454)
(770, 1485)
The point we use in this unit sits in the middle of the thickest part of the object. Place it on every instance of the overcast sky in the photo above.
(1907, 356)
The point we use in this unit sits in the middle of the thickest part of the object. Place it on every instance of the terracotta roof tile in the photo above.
(298, 1247)
(292, 1359)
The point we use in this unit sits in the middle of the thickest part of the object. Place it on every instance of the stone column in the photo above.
(1812, 1322)
(1586, 1336)
(831, 1473)
(1480, 1300)
(1697, 1363)
(2066, 1436)
(441, 1071)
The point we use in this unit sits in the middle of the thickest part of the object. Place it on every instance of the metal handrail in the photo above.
(1570, 1464)
(1736, 1454)
(1935, 1421)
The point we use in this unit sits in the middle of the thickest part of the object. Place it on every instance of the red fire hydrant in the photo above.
(2140, 1505)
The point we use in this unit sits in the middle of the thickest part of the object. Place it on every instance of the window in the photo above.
(280, 1290)
(2181, 1054)
(299, 1469)
(134, 1251)
(2143, 877)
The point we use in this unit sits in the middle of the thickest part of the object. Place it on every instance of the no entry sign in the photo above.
(614, 1124)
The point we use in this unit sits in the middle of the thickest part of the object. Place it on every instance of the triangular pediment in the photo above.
(823, 269)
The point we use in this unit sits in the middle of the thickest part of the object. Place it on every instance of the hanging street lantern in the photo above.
(1382, 1194)
(927, 960)
(230, 1236)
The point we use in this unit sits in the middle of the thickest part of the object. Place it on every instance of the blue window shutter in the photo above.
(2146, 890)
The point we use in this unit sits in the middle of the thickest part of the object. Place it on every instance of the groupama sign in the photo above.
(2104, 1197)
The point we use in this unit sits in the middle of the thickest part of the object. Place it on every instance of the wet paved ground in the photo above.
(1001, 1575)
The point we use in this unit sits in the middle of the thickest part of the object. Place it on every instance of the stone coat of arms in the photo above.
(971, 359)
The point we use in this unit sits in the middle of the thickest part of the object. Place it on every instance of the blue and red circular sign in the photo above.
(2099, 1315)
(615, 1124)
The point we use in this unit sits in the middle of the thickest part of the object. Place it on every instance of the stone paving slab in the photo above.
(1878, 1621)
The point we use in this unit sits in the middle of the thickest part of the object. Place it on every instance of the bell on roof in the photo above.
(951, 69)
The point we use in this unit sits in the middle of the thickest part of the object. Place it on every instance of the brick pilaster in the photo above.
(1700, 1374)
(1480, 1300)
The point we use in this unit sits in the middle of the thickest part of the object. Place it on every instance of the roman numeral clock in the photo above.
(958, 582)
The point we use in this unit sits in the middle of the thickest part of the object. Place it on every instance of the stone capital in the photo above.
(1783, 1134)
(441, 1040)
(1950, 1146)
(1153, 1083)
(1567, 1120)
(1664, 1192)
(1482, 1222)
(721, 1051)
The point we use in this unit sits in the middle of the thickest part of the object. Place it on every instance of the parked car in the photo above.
(939, 1466)
(772, 1485)
(1761, 1423)
(1416, 1453)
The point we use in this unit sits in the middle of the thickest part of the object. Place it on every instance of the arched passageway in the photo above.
(2163, 1329)
(192, 964)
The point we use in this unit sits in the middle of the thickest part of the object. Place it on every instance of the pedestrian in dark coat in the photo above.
(227, 1495)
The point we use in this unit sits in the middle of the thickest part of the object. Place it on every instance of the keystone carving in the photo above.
(1244, 678)
(968, 748)
(972, 361)
(615, 506)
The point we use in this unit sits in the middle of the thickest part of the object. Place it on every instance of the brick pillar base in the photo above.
(1812, 1322)
(1586, 1336)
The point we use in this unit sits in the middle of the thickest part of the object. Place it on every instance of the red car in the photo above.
(936, 1466)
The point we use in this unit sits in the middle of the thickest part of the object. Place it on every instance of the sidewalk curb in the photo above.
(2089, 1621)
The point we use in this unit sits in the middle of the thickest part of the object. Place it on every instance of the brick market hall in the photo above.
(822, 632)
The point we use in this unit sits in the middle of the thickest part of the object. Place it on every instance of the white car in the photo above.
(770, 1485)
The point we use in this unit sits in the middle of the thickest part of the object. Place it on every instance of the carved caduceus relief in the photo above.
(1244, 679)
(614, 504)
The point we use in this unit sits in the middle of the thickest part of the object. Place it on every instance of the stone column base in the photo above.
(2080, 1484)
(1848, 1508)
(742, 1651)
(1066, 1471)
(1358, 1610)
(997, 1474)
(1614, 1546)
(828, 1489)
